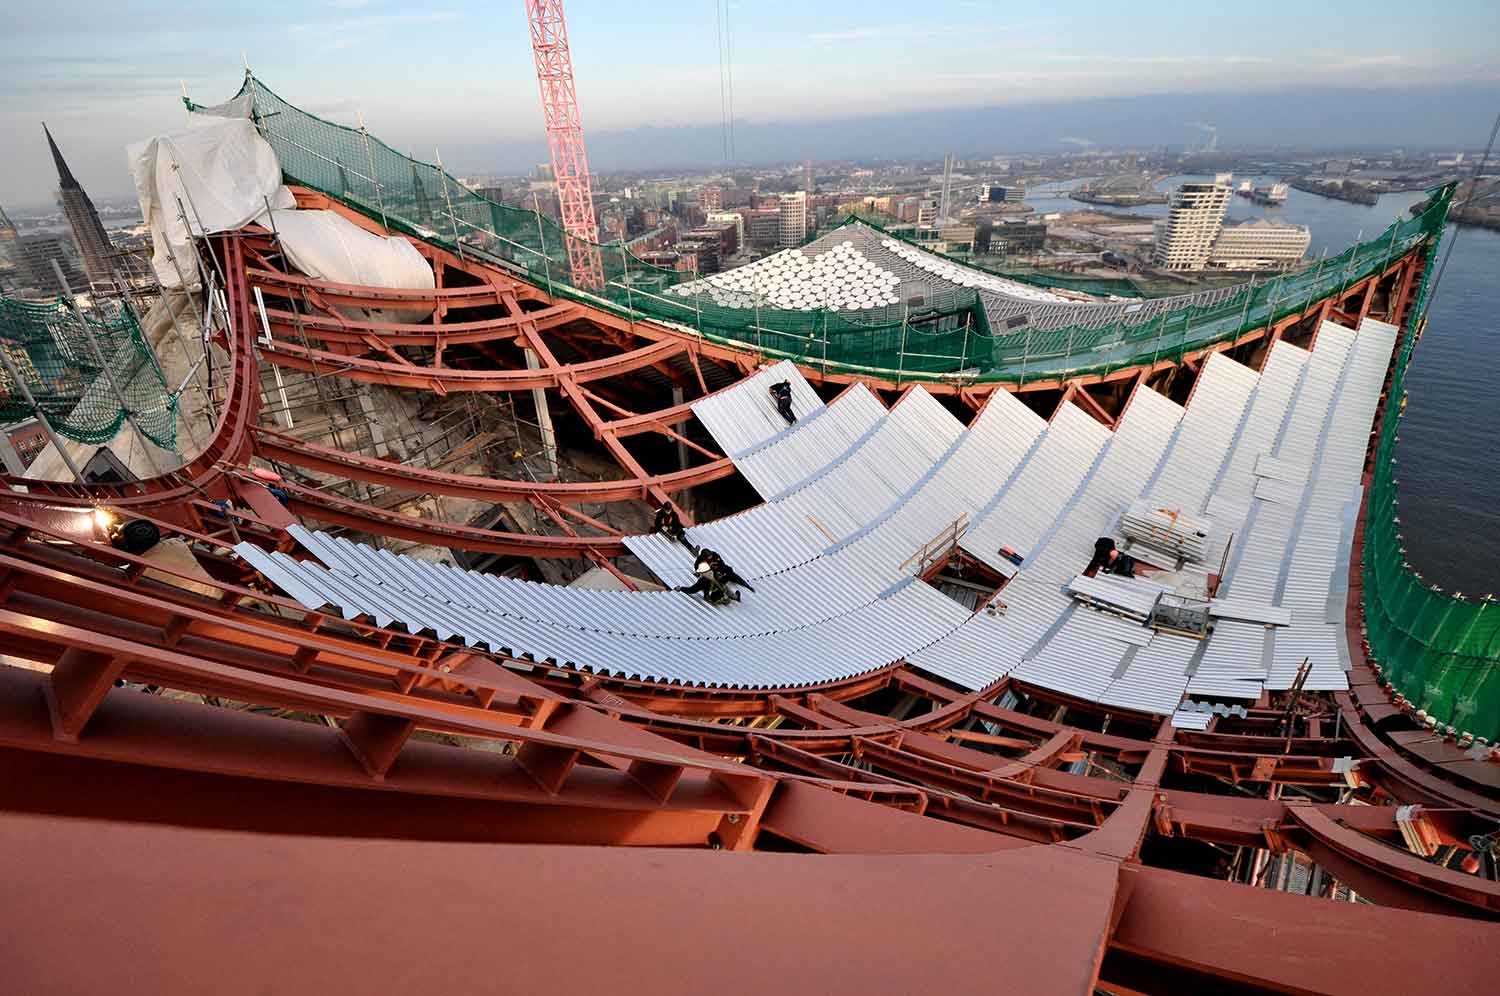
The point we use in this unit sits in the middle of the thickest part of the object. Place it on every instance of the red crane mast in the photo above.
(570, 165)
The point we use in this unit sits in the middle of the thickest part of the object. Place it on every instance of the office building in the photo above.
(1012, 193)
(1259, 245)
(791, 215)
(34, 256)
(1194, 218)
(734, 218)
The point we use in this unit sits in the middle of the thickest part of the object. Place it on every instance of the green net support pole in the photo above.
(41, 416)
(629, 290)
(458, 244)
(1353, 254)
(901, 354)
(825, 342)
(1025, 354)
(374, 177)
(107, 366)
(963, 359)
(541, 234)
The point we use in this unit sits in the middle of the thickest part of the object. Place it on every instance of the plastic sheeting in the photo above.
(215, 177)
(326, 246)
(221, 175)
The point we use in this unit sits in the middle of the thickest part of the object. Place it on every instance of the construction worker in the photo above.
(1109, 559)
(713, 589)
(669, 524)
(782, 393)
(720, 569)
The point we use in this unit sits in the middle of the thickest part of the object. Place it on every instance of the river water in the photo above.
(1449, 455)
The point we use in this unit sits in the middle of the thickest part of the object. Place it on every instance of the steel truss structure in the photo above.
(888, 831)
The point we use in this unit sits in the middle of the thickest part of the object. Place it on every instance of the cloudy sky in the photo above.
(457, 74)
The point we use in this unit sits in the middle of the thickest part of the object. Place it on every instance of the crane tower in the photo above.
(570, 166)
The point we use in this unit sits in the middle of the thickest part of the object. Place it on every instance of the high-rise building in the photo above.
(1194, 219)
(88, 232)
(1259, 245)
(791, 215)
(8, 238)
(763, 228)
(927, 212)
(721, 217)
(34, 256)
(712, 198)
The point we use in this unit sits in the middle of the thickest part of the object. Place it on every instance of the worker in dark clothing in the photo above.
(714, 590)
(1110, 560)
(1103, 547)
(669, 524)
(1120, 563)
(720, 569)
(782, 393)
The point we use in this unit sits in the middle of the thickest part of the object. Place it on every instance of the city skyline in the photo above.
(105, 75)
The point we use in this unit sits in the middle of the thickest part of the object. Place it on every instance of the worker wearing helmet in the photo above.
(714, 589)
(720, 569)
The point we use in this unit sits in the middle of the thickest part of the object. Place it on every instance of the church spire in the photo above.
(65, 180)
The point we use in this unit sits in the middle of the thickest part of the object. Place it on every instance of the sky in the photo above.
(457, 75)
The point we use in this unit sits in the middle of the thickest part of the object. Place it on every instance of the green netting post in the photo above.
(374, 178)
(825, 342)
(458, 245)
(541, 235)
(1349, 266)
(760, 345)
(105, 365)
(1241, 328)
(1025, 354)
(41, 416)
(697, 299)
(901, 353)
(629, 291)
(963, 359)
(1390, 249)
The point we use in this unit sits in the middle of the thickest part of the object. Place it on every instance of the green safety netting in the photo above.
(948, 336)
(60, 353)
(1439, 649)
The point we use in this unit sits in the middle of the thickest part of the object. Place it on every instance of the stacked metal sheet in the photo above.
(1172, 532)
(1132, 598)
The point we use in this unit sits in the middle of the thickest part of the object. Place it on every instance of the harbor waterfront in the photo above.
(1447, 464)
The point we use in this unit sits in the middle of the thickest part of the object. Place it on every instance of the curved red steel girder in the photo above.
(283, 448)
(447, 379)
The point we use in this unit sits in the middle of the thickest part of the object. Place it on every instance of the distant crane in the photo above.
(570, 166)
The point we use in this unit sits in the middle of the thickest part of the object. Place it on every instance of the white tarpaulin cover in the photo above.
(327, 246)
(225, 173)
